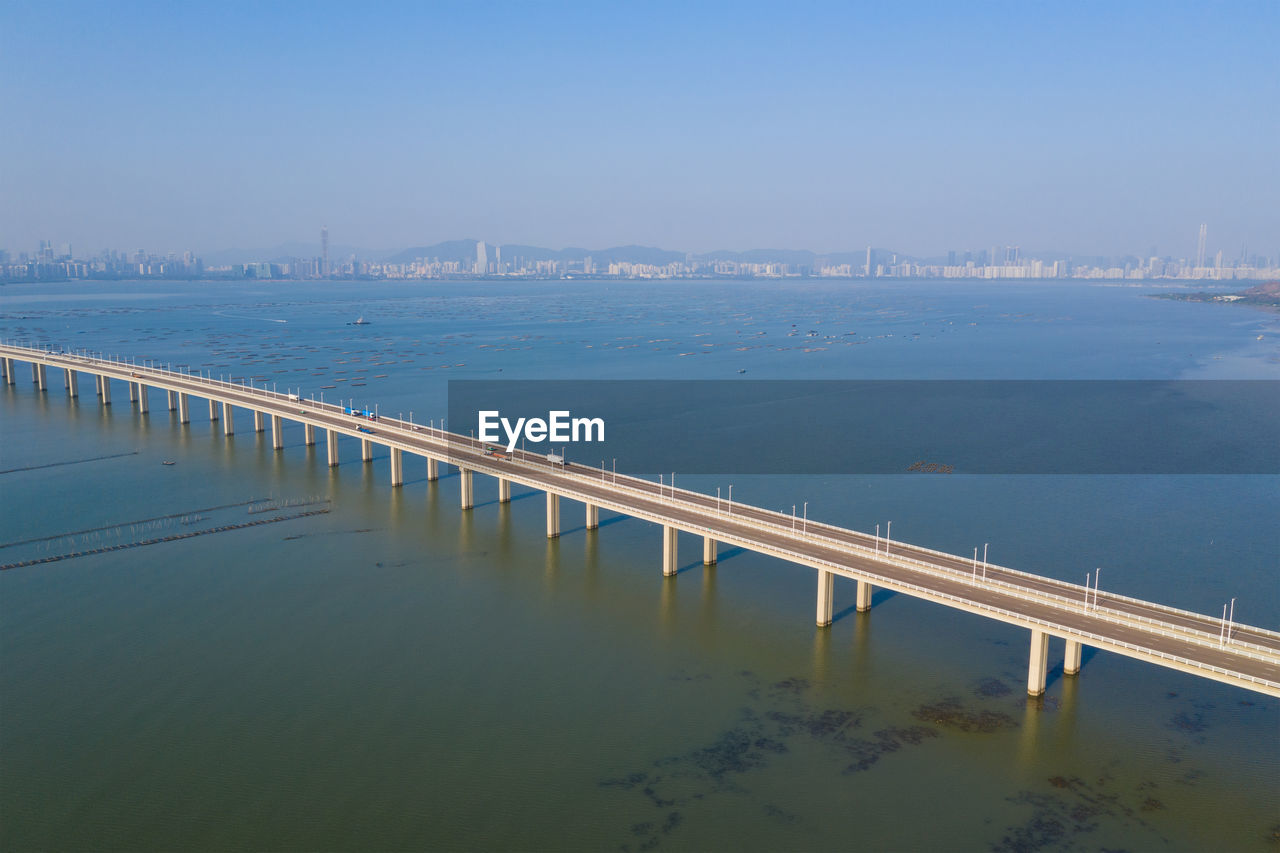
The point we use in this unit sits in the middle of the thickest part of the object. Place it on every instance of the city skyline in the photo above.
(931, 127)
(470, 258)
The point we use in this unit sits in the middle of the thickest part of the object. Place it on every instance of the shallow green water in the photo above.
(399, 674)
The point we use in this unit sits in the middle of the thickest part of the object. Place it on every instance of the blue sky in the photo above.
(1086, 127)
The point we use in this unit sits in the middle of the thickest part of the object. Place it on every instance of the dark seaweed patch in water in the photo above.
(951, 714)
(756, 739)
(832, 723)
(993, 687)
(1059, 817)
(736, 751)
(867, 752)
(1189, 723)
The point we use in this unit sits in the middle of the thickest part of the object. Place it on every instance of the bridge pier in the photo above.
(8, 371)
(708, 551)
(1038, 668)
(71, 380)
(593, 517)
(184, 408)
(553, 515)
(864, 596)
(331, 439)
(670, 550)
(366, 450)
(504, 490)
(228, 419)
(277, 432)
(826, 596)
(106, 390)
(143, 408)
(464, 488)
(133, 391)
(40, 376)
(258, 425)
(1071, 661)
(171, 397)
(213, 410)
(308, 435)
(397, 467)
(433, 469)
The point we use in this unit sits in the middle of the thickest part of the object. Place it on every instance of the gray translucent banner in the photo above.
(891, 427)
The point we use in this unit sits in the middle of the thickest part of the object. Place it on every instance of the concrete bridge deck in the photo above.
(1242, 655)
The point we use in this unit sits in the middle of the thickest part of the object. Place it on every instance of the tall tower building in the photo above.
(482, 258)
(324, 251)
(1200, 246)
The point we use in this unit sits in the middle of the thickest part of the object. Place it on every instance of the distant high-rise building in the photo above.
(1200, 246)
(324, 251)
(497, 259)
(482, 258)
(867, 269)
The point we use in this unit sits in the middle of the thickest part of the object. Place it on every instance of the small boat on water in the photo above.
(359, 321)
(167, 462)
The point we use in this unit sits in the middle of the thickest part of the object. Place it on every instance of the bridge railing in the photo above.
(696, 502)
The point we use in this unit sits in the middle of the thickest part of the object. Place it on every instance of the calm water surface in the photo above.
(396, 673)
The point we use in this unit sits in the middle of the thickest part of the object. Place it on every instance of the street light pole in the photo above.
(804, 521)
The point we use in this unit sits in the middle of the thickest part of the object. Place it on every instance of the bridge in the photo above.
(1204, 645)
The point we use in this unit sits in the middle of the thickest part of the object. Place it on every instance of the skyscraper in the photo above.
(1200, 246)
(482, 258)
(324, 251)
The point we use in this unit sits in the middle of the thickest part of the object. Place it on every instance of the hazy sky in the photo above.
(1089, 127)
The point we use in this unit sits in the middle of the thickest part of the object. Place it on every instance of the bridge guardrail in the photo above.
(447, 439)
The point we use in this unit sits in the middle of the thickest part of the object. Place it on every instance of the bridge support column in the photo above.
(593, 517)
(504, 491)
(258, 425)
(397, 467)
(8, 371)
(184, 408)
(277, 432)
(1039, 665)
(213, 410)
(308, 435)
(171, 398)
(133, 391)
(826, 596)
(228, 419)
(71, 380)
(433, 469)
(708, 551)
(143, 408)
(670, 552)
(464, 488)
(553, 515)
(366, 450)
(1071, 662)
(42, 380)
(864, 596)
(332, 442)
